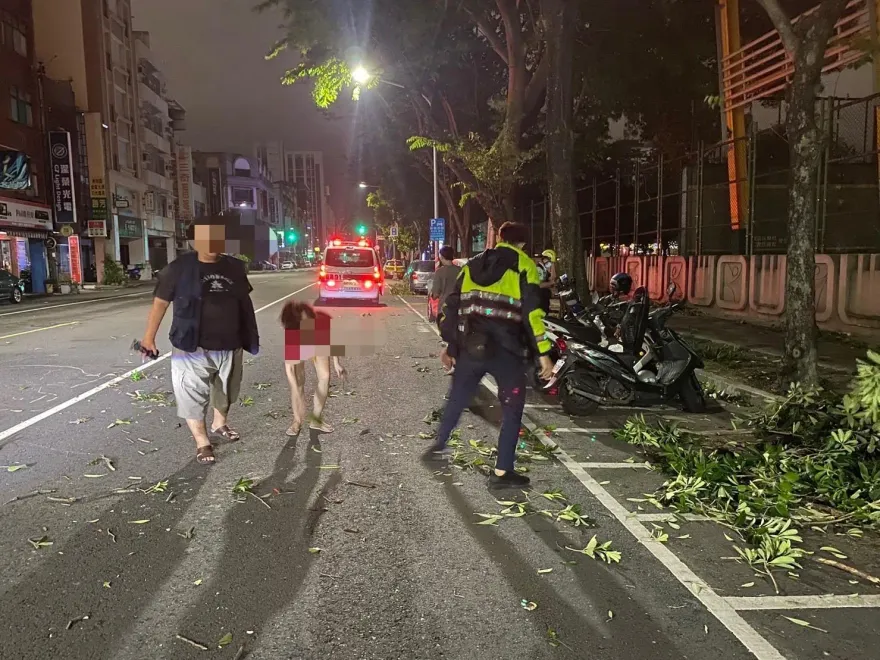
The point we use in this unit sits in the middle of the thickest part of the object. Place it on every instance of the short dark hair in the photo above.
(513, 233)
(447, 252)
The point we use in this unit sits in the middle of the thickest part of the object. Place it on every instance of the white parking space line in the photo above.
(714, 603)
(664, 517)
(21, 426)
(577, 429)
(613, 466)
(542, 406)
(820, 602)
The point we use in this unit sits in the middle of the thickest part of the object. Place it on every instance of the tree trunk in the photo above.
(805, 148)
(467, 230)
(560, 17)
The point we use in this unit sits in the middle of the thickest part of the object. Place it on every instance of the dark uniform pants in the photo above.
(509, 374)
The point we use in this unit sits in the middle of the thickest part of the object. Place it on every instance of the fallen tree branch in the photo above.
(848, 569)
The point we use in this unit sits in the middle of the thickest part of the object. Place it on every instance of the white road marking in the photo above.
(663, 517)
(613, 466)
(8, 433)
(717, 605)
(31, 310)
(48, 327)
(577, 429)
(820, 602)
(543, 406)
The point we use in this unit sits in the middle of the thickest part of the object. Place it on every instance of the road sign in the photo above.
(438, 230)
(394, 231)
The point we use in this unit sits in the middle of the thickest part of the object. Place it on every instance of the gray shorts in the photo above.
(205, 377)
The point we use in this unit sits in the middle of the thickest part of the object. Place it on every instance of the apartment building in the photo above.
(243, 184)
(26, 219)
(91, 44)
(304, 171)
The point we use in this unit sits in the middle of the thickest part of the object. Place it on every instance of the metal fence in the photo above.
(653, 205)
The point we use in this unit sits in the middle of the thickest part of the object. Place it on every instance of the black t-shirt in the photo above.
(224, 282)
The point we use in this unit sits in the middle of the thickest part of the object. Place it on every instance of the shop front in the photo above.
(24, 230)
(132, 248)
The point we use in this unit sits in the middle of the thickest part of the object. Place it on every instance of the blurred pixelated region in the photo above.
(309, 333)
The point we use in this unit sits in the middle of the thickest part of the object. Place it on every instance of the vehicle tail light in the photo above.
(414, 276)
(331, 283)
(377, 273)
(322, 274)
(561, 345)
(368, 284)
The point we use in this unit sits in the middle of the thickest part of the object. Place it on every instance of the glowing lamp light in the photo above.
(331, 283)
(368, 284)
(360, 75)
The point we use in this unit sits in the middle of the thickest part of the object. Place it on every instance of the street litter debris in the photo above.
(602, 551)
(528, 605)
(226, 640)
(106, 462)
(13, 468)
(41, 542)
(247, 401)
(245, 487)
(79, 619)
(120, 422)
(314, 551)
(804, 624)
(191, 642)
(262, 386)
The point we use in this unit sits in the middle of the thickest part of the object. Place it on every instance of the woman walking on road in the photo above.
(307, 337)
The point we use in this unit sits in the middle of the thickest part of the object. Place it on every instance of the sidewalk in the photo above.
(835, 353)
(100, 291)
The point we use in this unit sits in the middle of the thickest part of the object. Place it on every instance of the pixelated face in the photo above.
(210, 239)
(351, 336)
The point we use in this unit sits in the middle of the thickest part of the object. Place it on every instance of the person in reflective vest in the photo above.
(493, 323)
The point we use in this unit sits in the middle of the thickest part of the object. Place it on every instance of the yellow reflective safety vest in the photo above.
(499, 291)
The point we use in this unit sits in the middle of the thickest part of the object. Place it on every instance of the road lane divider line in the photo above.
(31, 310)
(718, 606)
(578, 429)
(814, 602)
(48, 327)
(664, 517)
(21, 426)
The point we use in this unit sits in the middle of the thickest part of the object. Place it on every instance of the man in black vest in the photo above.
(214, 320)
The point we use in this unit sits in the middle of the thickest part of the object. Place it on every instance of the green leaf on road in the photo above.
(528, 605)
(747, 585)
(139, 522)
(13, 468)
(42, 542)
(314, 551)
(198, 582)
(226, 640)
(94, 476)
(544, 571)
(106, 585)
(805, 624)
(247, 401)
(120, 422)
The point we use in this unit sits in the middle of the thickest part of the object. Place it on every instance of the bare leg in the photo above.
(296, 378)
(322, 390)
(225, 388)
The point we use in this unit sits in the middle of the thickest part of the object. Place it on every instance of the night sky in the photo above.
(212, 54)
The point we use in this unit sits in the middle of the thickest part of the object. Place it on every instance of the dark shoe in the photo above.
(437, 453)
(511, 479)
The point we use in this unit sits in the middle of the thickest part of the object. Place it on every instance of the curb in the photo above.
(754, 395)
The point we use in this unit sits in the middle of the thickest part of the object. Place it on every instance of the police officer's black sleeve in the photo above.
(449, 317)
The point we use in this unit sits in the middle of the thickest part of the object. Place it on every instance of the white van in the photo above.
(351, 271)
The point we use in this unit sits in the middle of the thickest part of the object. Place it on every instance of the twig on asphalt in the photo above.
(191, 642)
(355, 483)
(73, 622)
(260, 499)
(33, 494)
(848, 569)
(240, 653)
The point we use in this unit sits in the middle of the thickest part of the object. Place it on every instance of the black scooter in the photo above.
(655, 365)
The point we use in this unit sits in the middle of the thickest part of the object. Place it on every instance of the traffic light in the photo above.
(291, 236)
(362, 230)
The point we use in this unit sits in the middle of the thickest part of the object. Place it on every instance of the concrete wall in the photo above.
(847, 285)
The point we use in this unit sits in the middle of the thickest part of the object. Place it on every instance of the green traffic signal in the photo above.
(291, 236)
(362, 230)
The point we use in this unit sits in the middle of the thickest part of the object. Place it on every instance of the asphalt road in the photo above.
(347, 546)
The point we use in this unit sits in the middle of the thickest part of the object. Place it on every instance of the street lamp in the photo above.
(361, 76)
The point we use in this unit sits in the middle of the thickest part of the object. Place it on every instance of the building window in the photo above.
(124, 154)
(242, 167)
(21, 107)
(243, 196)
(13, 34)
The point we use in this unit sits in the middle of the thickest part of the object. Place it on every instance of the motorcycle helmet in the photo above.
(621, 283)
(550, 254)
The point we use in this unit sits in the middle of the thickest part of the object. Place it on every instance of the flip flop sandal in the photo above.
(226, 433)
(293, 430)
(205, 455)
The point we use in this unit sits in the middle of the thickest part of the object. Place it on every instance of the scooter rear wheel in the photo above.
(573, 403)
(692, 397)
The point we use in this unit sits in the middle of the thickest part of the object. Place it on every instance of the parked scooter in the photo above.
(655, 365)
(134, 272)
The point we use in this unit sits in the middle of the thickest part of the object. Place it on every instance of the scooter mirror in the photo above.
(671, 290)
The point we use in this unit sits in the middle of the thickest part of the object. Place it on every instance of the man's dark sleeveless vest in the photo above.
(184, 334)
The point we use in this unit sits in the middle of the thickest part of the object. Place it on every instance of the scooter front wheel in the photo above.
(572, 402)
(692, 397)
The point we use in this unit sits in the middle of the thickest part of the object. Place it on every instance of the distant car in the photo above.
(286, 265)
(11, 287)
(350, 272)
(268, 265)
(394, 269)
(420, 274)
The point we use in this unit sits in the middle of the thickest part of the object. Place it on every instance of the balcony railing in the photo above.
(158, 181)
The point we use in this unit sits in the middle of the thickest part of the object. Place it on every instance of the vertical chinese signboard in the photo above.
(64, 196)
(184, 183)
(215, 192)
(76, 274)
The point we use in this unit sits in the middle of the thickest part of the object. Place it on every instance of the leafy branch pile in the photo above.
(480, 455)
(814, 461)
